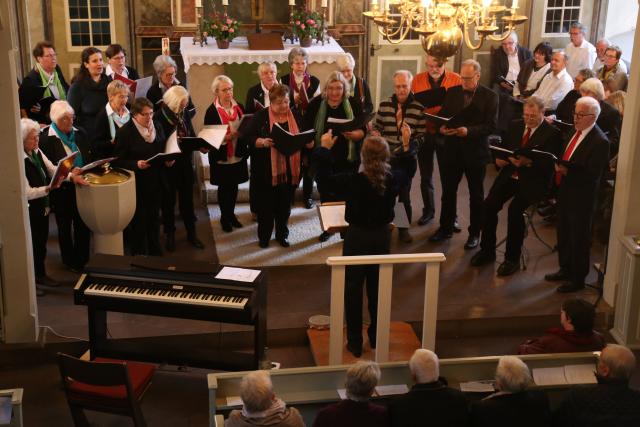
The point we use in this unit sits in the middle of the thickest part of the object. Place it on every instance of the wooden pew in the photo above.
(16, 405)
(310, 389)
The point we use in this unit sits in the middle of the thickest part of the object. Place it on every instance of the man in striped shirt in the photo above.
(401, 110)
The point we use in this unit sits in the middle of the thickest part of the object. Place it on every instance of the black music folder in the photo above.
(162, 157)
(501, 153)
(431, 97)
(509, 82)
(439, 120)
(287, 143)
(96, 164)
(346, 125)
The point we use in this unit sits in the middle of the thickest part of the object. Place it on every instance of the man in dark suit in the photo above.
(526, 178)
(584, 158)
(429, 402)
(609, 403)
(473, 111)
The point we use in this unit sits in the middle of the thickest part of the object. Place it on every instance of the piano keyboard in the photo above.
(175, 295)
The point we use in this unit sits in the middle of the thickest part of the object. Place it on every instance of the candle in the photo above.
(514, 4)
(198, 3)
(374, 2)
(225, 2)
(292, 2)
(324, 3)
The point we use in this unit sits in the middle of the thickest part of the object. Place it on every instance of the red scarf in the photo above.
(225, 118)
(302, 89)
(279, 160)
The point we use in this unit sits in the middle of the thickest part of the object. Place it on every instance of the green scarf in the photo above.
(70, 141)
(36, 161)
(56, 81)
(320, 122)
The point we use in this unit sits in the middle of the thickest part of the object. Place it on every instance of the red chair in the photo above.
(104, 385)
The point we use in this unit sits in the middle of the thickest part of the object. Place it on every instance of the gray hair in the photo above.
(174, 96)
(579, 26)
(362, 379)
(514, 36)
(563, 53)
(298, 51)
(256, 391)
(27, 126)
(620, 361)
(216, 82)
(264, 65)
(345, 62)
(424, 366)
(472, 63)
(512, 374)
(594, 86)
(405, 73)
(587, 73)
(336, 76)
(162, 62)
(606, 41)
(116, 87)
(59, 109)
(592, 103)
(535, 101)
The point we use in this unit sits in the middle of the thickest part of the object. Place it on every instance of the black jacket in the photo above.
(500, 62)
(311, 90)
(102, 142)
(524, 74)
(362, 96)
(524, 409)
(88, 98)
(155, 93)
(31, 91)
(255, 93)
(36, 206)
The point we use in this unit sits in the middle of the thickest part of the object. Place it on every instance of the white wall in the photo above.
(620, 26)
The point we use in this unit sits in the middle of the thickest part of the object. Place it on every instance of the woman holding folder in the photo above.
(136, 143)
(275, 169)
(228, 164)
(112, 117)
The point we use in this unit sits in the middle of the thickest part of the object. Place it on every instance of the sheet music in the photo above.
(332, 216)
(482, 386)
(342, 392)
(172, 144)
(213, 134)
(549, 376)
(392, 389)
(336, 120)
(238, 274)
(234, 401)
(142, 86)
(580, 374)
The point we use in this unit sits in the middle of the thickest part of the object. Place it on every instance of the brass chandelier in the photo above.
(443, 24)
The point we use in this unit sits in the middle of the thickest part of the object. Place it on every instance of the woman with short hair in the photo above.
(228, 164)
(533, 71)
(359, 89)
(136, 142)
(112, 117)
(117, 58)
(303, 86)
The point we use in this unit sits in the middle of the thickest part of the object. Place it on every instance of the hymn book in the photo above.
(209, 137)
(288, 143)
(431, 98)
(96, 164)
(137, 88)
(568, 374)
(171, 151)
(348, 125)
(332, 217)
(62, 170)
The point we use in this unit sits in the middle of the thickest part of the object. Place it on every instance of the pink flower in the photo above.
(231, 30)
(302, 26)
(310, 21)
(229, 21)
(225, 28)
(215, 27)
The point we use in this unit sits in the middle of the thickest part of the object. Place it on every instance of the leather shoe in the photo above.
(558, 276)
(170, 242)
(568, 287)
(324, 236)
(235, 222)
(472, 242)
(226, 226)
(263, 244)
(309, 203)
(356, 350)
(440, 235)
(195, 242)
(425, 219)
(456, 227)
(507, 268)
(405, 237)
(47, 281)
(482, 258)
(284, 242)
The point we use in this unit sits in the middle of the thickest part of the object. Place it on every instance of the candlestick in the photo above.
(225, 2)
(292, 2)
(324, 3)
(198, 3)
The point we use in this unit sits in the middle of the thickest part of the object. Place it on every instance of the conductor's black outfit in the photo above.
(369, 214)
(468, 156)
(131, 147)
(524, 185)
(73, 234)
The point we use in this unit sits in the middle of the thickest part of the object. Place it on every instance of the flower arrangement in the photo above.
(306, 24)
(221, 26)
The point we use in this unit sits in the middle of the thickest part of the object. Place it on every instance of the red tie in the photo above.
(523, 143)
(567, 153)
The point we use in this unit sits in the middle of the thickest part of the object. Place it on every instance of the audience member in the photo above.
(564, 111)
(229, 163)
(117, 58)
(174, 116)
(466, 149)
(260, 406)
(609, 120)
(513, 404)
(533, 71)
(356, 410)
(44, 82)
(616, 100)
(57, 141)
(359, 88)
(585, 158)
(555, 85)
(601, 47)
(430, 81)
(429, 401)
(392, 116)
(136, 142)
(88, 91)
(111, 118)
(581, 54)
(524, 178)
(575, 333)
(370, 196)
(611, 402)
(611, 70)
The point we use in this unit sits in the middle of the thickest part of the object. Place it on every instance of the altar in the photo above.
(203, 64)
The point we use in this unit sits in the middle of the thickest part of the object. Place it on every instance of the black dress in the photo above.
(131, 147)
(88, 98)
(102, 142)
(73, 234)
(30, 93)
(38, 213)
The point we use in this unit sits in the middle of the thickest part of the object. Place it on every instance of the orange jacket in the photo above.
(421, 83)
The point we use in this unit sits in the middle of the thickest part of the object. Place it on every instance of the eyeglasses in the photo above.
(582, 115)
(50, 55)
(227, 89)
(119, 57)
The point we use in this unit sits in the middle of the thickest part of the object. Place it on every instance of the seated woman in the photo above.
(260, 406)
(112, 117)
(88, 91)
(136, 142)
(117, 58)
(356, 410)
(58, 141)
(370, 196)
(38, 170)
(359, 92)
(274, 174)
(173, 117)
(533, 71)
(335, 103)
(229, 163)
